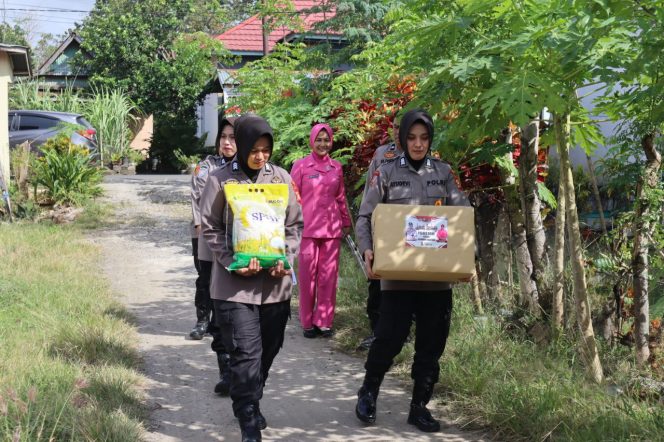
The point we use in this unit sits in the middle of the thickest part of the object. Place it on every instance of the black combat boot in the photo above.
(419, 415)
(201, 326)
(365, 410)
(249, 424)
(260, 419)
(223, 387)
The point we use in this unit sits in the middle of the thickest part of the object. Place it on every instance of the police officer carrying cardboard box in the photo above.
(413, 178)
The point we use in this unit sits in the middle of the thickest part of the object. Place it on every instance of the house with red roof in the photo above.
(245, 40)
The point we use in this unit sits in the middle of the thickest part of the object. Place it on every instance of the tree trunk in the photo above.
(529, 296)
(598, 199)
(646, 219)
(23, 170)
(502, 249)
(487, 212)
(476, 293)
(532, 206)
(583, 313)
(558, 304)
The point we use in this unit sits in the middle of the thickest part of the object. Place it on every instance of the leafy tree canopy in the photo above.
(360, 22)
(13, 35)
(155, 51)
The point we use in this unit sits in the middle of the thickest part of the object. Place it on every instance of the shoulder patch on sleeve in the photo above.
(297, 192)
(201, 168)
(374, 177)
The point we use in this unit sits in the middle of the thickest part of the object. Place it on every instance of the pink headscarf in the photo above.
(316, 130)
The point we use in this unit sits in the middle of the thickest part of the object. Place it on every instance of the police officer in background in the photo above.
(225, 148)
(203, 258)
(252, 304)
(386, 153)
(414, 178)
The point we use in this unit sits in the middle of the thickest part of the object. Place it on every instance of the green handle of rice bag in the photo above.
(266, 261)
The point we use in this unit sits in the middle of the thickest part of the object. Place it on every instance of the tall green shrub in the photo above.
(66, 171)
(30, 95)
(110, 112)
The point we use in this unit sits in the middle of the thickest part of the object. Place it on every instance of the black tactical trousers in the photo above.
(202, 300)
(373, 303)
(432, 311)
(253, 335)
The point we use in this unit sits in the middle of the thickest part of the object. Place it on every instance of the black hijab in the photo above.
(223, 122)
(248, 129)
(409, 118)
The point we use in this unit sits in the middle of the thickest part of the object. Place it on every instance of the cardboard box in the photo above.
(423, 243)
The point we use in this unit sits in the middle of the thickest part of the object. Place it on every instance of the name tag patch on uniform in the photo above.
(400, 184)
(436, 183)
(311, 177)
(277, 180)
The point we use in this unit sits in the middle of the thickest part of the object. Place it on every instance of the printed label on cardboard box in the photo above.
(426, 231)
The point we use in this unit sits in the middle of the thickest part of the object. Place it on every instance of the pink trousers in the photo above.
(318, 271)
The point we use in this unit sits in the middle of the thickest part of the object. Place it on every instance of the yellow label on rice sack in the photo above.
(259, 212)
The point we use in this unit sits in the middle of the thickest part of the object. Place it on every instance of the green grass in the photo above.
(502, 381)
(67, 360)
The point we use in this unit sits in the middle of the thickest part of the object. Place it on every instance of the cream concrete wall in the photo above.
(5, 79)
(208, 122)
(143, 128)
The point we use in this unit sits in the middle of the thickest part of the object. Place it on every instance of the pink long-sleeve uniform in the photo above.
(320, 184)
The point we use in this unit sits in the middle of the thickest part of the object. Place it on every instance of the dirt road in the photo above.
(311, 392)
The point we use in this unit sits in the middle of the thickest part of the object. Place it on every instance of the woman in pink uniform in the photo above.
(319, 180)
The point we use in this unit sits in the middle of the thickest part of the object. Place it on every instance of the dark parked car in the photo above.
(37, 126)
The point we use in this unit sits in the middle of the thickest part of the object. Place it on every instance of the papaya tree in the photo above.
(505, 61)
(636, 96)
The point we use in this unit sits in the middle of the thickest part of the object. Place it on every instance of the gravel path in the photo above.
(311, 393)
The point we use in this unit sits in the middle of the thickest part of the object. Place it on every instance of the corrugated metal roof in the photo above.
(248, 35)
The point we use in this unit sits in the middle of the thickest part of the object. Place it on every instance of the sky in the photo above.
(47, 16)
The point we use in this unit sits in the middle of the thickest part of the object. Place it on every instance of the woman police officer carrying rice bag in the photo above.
(252, 304)
(414, 178)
